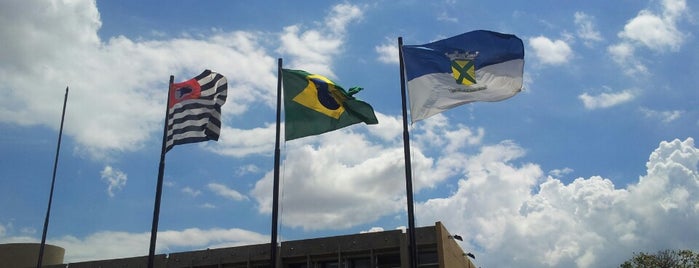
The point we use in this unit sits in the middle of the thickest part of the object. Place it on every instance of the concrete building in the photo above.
(388, 249)
(27, 255)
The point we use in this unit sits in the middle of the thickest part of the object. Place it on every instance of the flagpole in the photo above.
(275, 188)
(408, 170)
(159, 187)
(53, 182)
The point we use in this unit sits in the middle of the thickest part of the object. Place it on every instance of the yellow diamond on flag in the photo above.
(464, 72)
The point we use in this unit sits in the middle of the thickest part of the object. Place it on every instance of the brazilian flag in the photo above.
(313, 104)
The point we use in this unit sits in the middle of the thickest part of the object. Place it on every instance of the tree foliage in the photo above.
(664, 259)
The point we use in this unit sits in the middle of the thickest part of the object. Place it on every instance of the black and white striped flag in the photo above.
(194, 109)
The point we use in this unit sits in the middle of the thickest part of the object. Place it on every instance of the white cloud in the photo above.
(551, 52)
(191, 192)
(390, 128)
(558, 173)
(208, 205)
(350, 182)
(373, 230)
(116, 105)
(658, 33)
(314, 49)
(247, 169)
(115, 179)
(653, 32)
(507, 211)
(605, 100)
(224, 191)
(341, 16)
(364, 174)
(244, 142)
(362, 182)
(124, 244)
(674, 9)
(623, 54)
(586, 28)
(388, 52)
(438, 132)
(663, 116)
(444, 16)
(587, 223)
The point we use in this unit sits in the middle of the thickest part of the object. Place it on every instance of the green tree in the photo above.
(664, 259)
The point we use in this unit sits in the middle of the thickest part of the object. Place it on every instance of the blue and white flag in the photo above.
(474, 66)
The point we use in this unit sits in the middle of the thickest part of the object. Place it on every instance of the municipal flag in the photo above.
(474, 66)
(313, 104)
(194, 109)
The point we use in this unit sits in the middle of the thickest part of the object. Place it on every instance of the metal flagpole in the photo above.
(408, 170)
(53, 182)
(159, 187)
(275, 188)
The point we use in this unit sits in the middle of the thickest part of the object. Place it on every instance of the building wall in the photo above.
(452, 256)
(380, 249)
(18, 255)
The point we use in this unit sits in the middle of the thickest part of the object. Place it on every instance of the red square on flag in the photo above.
(186, 90)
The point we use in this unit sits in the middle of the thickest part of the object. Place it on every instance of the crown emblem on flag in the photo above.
(468, 55)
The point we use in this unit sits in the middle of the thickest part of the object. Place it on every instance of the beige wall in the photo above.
(451, 255)
(27, 255)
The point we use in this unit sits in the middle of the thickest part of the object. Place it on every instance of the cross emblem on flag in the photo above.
(464, 72)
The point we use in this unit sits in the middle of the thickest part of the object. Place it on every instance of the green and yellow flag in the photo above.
(313, 104)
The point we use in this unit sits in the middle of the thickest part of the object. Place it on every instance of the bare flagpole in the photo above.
(275, 188)
(408, 170)
(159, 187)
(53, 182)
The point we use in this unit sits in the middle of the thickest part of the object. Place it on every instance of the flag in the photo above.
(194, 109)
(313, 104)
(474, 66)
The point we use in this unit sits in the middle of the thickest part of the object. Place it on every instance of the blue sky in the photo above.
(593, 161)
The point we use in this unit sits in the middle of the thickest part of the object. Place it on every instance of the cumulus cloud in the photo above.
(656, 31)
(553, 52)
(589, 222)
(652, 31)
(115, 179)
(362, 182)
(115, 105)
(339, 176)
(507, 210)
(605, 100)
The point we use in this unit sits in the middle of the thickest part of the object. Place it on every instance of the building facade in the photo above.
(388, 249)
